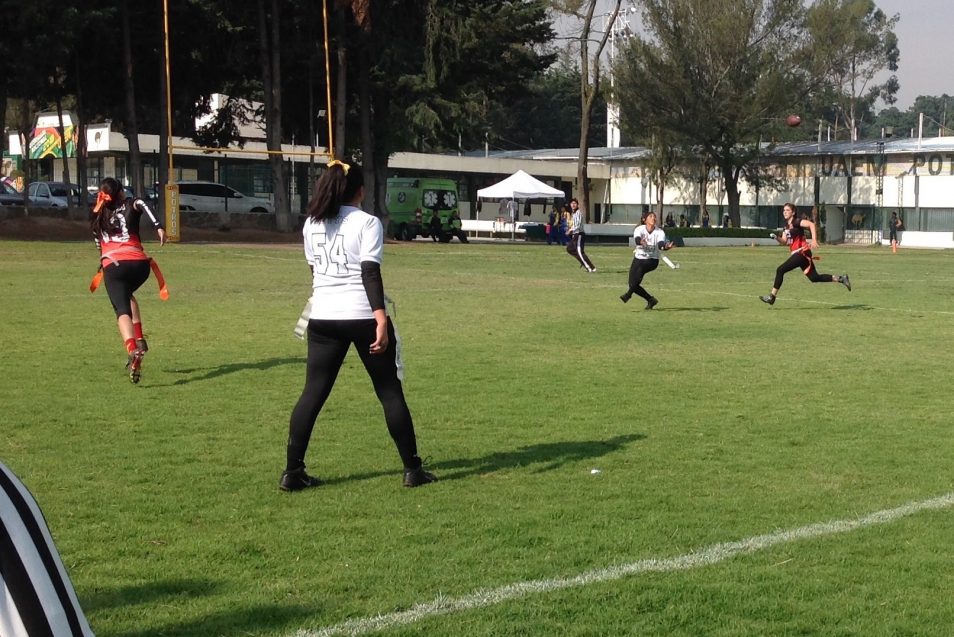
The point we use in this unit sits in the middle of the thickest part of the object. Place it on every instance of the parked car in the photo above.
(54, 194)
(10, 196)
(207, 196)
(149, 194)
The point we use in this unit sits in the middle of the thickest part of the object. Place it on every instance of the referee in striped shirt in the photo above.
(36, 596)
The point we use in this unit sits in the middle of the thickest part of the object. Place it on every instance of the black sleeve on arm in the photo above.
(373, 285)
(153, 217)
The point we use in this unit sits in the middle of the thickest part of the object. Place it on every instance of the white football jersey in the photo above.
(651, 248)
(335, 248)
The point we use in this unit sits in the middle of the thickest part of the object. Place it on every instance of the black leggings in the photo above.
(328, 343)
(577, 247)
(122, 280)
(637, 270)
(801, 260)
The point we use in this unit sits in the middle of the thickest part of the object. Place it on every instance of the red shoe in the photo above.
(134, 364)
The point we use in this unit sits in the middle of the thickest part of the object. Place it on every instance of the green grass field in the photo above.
(713, 418)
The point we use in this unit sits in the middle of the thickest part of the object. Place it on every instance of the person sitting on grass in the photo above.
(455, 227)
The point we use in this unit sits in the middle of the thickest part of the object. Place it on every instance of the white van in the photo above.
(208, 196)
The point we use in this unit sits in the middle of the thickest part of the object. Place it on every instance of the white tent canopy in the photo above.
(519, 185)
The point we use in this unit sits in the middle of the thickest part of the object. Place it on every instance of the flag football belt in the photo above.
(811, 259)
(161, 280)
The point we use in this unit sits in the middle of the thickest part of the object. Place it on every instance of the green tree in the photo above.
(547, 114)
(36, 81)
(718, 78)
(590, 77)
(476, 56)
(857, 41)
(938, 115)
(427, 75)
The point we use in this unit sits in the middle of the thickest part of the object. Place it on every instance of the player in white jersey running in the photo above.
(650, 241)
(344, 246)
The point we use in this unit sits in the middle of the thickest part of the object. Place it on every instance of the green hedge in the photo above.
(757, 233)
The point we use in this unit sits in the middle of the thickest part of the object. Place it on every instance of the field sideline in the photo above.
(709, 421)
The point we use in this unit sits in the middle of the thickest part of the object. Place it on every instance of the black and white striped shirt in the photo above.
(36, 596)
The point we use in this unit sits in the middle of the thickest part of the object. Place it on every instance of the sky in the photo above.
(925, 38)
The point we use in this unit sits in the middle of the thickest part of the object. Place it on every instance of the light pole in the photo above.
(618, 29)
(879, 180)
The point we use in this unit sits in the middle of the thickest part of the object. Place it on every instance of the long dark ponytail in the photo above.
(101, 222)
(337, 185)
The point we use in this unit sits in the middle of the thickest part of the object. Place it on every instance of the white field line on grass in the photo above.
(706, 556)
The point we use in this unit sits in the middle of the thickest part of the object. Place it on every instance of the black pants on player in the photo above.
(122, 280)
(576, 247)
(637, 270)
(328, 343)
(804, 262)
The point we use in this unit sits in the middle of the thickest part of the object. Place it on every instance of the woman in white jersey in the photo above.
(343, 247)
(650, 241)
(576, 248)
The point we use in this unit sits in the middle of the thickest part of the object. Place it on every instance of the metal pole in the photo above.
(165, 36)
(331, 138)
(171, 198)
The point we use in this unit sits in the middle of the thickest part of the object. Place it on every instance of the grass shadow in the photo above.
(859, 306)
(132, 594)
(208, 373)
(546, 456)
(232, 621)
(542, 457)
(714, 308)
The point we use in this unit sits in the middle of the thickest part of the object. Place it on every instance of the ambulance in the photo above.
(411, 203)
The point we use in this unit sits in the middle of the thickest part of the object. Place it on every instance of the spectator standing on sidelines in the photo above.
(124, 265)
(552, 227)
(576, 246)
(793, 235)
(344, 246)
(566, 215)
(650, 241)
(895, 225)
(36, 595)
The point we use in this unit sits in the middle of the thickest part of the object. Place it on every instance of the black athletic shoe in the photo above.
(652, 302)
(767, 298)
(141, 344)
(297, 480)
(624, 298)
(418, 477)
(845, 282)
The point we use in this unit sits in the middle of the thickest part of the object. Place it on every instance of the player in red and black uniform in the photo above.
(793, 235)
(125, 267)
